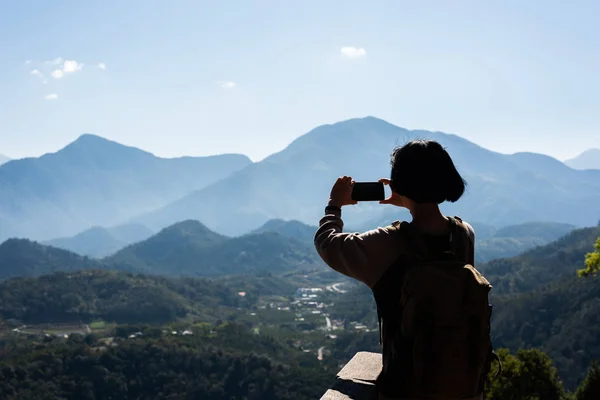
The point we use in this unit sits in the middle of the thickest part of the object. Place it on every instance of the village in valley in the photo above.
(306, 315)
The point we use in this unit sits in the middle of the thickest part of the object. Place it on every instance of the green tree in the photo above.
(590, 387)
(528, 375)
(592, 262)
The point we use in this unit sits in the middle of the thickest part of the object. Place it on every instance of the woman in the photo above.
(422, 177)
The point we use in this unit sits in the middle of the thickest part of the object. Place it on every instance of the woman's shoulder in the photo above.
(468, 227)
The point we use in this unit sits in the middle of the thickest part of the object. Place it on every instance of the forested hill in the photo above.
(562, 319)
(540, 302)
(21, 257)
(541, 265)
(121, 297)
(226, 362)
(189, 248)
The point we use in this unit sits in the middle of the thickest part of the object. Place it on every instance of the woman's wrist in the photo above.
(334, 204)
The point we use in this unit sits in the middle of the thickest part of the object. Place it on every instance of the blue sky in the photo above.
(197, 77)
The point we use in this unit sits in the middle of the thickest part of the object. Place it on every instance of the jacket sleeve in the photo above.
(362, 256)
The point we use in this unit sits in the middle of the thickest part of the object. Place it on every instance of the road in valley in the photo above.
(335, 288)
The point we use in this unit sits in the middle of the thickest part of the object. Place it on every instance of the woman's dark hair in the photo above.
(423, 171)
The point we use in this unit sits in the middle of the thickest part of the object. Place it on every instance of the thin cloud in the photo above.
(56, 61)
(71, 66)
(353, 52)
(102, 66)
(57, 74)
(36, 72)
(226, 84)
(28, 62)
(68, 67)
(52, 96)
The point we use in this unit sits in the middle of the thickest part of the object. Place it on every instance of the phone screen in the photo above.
(368, 191)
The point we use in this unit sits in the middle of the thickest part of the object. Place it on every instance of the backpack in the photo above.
(434, 319)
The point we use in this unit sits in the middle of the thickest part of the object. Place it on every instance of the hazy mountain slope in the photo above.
(3, 159)
(95, 242)
(294, 229)
(100, 242)
(295, 183)
(189, 248)
(21, 257)
(589, 159)
(94, 181)
(512, 240)
(131, 233)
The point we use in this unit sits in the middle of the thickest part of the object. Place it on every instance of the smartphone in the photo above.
(368, 191)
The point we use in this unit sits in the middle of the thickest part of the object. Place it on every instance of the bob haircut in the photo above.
(423, 171)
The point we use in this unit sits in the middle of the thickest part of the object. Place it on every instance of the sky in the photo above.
(183, 77)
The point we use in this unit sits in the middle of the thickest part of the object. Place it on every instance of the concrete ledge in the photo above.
(357, 379)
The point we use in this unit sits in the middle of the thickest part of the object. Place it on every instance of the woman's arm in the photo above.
(362, 256)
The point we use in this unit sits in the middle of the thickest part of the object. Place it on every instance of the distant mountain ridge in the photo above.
(98, 242)
(94, 181)
(293, 229)
(589, 159)
(4, 159)
(295, 183)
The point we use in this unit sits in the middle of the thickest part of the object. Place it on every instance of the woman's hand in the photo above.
(341, 192)
(394, 199)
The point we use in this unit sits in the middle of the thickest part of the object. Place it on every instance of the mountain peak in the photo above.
(188, 226)
(589, 159)
(89, 141)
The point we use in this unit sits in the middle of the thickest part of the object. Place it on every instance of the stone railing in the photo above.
(357, 379)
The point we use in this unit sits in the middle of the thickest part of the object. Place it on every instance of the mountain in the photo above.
(540, 302)
(295, 183)
(131, 233)
(94, 181)
(98, 242)
(589, 159)
(562, 319)
(541, 265)
(293, 229)
(22, 257)
(3, 159)
(190, 248)
(512, 240)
